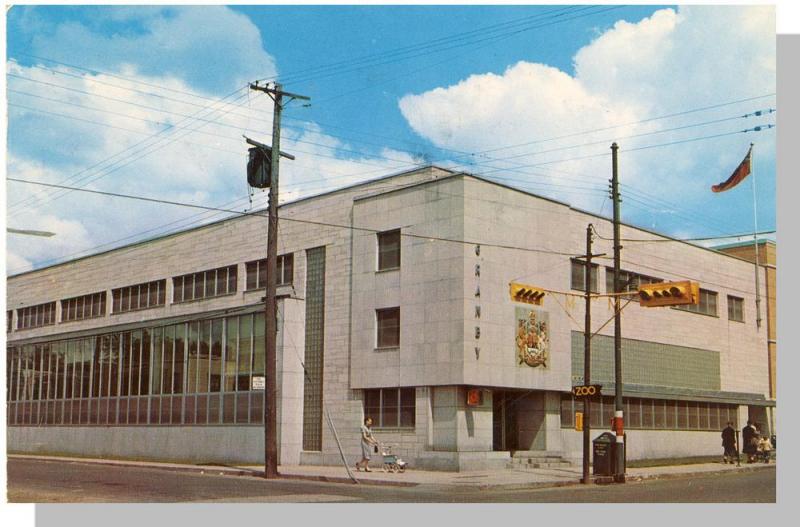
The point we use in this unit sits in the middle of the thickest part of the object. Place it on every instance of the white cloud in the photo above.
(212, 47)
(672, 61)
(157, 136)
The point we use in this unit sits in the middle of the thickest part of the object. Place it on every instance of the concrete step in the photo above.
(558, 464)
(537, 453)
(537, 459)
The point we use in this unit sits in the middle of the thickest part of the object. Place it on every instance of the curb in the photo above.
(214, 470)
(229, 471)
(677, 475)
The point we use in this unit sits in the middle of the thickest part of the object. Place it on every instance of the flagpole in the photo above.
(755, 240)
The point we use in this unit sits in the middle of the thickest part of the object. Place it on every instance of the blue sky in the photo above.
(127, 99)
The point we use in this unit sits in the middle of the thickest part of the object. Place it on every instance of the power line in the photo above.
(130, 155)
(396, 160)
(310, 222)
(352, 228)
(641, 121)
(425, 48)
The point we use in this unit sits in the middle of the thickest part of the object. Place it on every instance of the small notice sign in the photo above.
(259, 382)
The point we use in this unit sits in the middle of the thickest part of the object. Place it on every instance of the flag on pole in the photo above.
(741, 172)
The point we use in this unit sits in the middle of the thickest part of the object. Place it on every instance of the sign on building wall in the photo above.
(533, 337)
(259, 382)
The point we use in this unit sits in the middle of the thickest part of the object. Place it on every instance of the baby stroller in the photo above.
(391, 463)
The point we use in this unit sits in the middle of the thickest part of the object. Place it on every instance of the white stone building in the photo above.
(394, 298)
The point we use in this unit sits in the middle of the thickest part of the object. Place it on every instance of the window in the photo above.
(36, 316)
(735, 308)
(82, 307)
(388, 322)
(391, 407)
(578, 278)
(139, 296)
(257, 272)
(629, 281)
(204, 284)
(651, 414)
(388, 250)
(9, 320)
(707, 305)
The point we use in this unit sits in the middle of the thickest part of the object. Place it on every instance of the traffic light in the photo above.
(259, 167)
(526, 293)
(669, 294)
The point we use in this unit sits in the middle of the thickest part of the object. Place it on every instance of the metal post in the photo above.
(587, 348)
(619, 469)
(755, 243)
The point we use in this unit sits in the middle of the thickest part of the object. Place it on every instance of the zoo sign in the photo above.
(586, 391)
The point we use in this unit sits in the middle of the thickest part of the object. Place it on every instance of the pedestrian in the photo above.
(729, 443)
(764, 449)
(750, 441)
(367, 444)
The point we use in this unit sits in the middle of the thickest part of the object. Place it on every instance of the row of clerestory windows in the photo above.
(189, 287)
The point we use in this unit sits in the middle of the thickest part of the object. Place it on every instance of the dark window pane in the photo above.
(134, 297)
(242, 407)
(388, 327)
(199, 285)
(252, 275)
(388, 250)
(177, 289)
(211, 283)
(232, 276)
(288, 268)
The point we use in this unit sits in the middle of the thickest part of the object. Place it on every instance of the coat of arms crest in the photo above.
(532, 339)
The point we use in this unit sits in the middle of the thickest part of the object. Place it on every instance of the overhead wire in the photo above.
(366, 229)
(648, 133)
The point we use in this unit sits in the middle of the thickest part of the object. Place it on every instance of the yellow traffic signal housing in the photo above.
(669, 294)
(526, 293)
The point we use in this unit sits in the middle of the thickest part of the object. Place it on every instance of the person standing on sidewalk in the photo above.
(367, 443)
(729, 443)
(750, 441)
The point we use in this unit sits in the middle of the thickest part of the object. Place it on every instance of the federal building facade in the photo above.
(393, 303)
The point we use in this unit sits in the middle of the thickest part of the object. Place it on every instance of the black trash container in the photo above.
(603, 454)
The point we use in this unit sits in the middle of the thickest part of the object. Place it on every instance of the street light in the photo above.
(27, 232)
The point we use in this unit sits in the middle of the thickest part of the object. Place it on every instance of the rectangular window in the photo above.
(256, 272)
(83, 307)
(389, 250)
(735, 308)
(388, 324)
(391, 407)
(36, 316)
(203, 284)
(9, 320)
(578, 278)
(707, 305)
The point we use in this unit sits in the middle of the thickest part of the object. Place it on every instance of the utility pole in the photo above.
(270, 308)
(587, 352)
(619, 465)
(587, 356)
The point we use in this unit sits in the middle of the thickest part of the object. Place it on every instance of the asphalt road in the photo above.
(66, 482)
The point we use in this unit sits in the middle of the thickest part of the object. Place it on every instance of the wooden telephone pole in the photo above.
(270, 308)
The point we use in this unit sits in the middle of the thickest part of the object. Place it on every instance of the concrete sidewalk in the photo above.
(483, 479)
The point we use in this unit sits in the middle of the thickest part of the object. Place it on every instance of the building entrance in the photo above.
(504, 421)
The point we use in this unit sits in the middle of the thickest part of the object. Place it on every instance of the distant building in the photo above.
(394, 298)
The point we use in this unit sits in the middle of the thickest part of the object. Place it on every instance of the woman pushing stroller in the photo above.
(368, 443)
